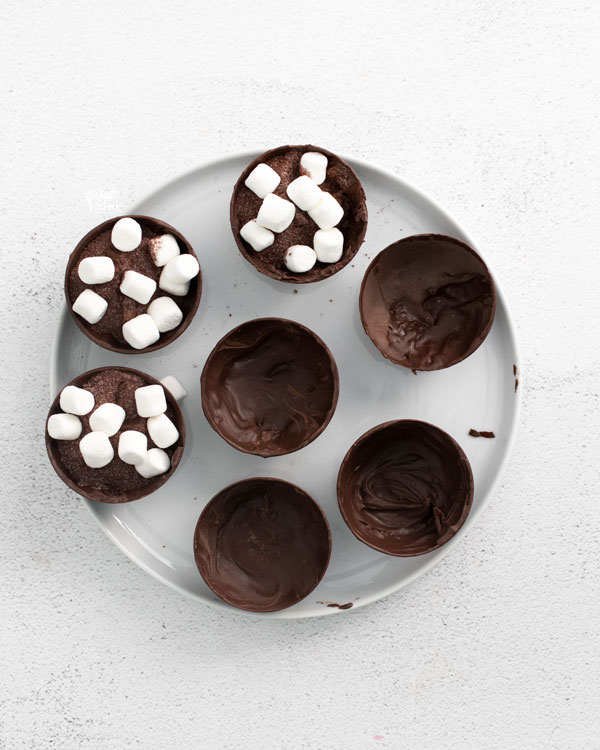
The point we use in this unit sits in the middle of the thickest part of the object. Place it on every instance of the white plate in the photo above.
(156, 532)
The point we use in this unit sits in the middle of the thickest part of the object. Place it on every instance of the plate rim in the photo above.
(475, 513)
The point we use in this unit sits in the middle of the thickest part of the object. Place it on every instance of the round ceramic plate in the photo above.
(157, 532)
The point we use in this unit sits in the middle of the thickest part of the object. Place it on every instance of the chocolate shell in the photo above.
(405, 488)
(427, 301)
(341, 181)
(107, 331)
(262, 544)
(269, 387)
(117, 482)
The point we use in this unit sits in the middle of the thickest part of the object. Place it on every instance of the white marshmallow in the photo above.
(166, 313)
(107, 418)
(314, 165)
(126, 235)
(140, 332)
(138, 287)
(64, 427)
(276, 213)
(76, 400)
(300, 258)
(133, 446)
(262, 180)
(162, 431)
(181, 269)
(96, 449)
(90, 306)
(304, 192)
(327, 213)
(328, 244)
(257, 236)
(173, 287)
(163, 249)
(96, 270)
(155, 463)
(150, 400)
(172, 384)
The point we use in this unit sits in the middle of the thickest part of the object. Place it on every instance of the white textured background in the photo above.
(491, 107)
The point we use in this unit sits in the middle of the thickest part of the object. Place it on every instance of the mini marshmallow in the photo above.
(300, 258)
(162, 431)
(172, 287)
(327, 213)
(328, 244)
(96, 449)
(126, 235)
(163, 249)
(172, 384)
(150, 400)
(138, 287)
(96, 270)
(90, 306)
(257, 236)
(304, 192)
(181, 269)
(276, 213)
(133, 446)
(156, 462)
(314, 165)
(140, 332)
(107, 418)
(76, 400)
(166, 313)
(64, 427)
(262, 180)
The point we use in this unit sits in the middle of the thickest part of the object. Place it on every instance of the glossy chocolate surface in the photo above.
(269, 387)
(262, 544)
(427, 301)
(405, 488)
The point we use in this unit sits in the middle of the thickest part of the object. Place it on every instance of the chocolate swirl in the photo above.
(405, 488)
(269, 387)
(262, 544)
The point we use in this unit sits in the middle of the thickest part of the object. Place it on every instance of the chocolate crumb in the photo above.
(514, 370)
(481, 433)
(516, 384)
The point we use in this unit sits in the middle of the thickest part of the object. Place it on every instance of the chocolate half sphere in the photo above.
(427, 301)
(269, 387)
(117, 482)
(262, 544)
(405, 488)
(340, 181)
(107, 332)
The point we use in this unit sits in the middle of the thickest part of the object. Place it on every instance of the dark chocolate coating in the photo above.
(427, 301)
(341, 181)
(107, 332)
(405, 488)
(269, 387)
(262, 544)
(117, 482)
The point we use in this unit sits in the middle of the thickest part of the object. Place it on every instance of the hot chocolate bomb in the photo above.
(114, 480)
(300, 197)
(119, 289)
